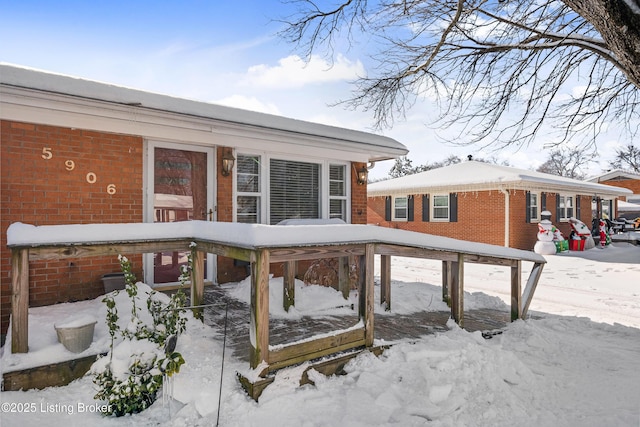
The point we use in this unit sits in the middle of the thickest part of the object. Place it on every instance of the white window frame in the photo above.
(562, 215)
(394, 208)
(265, 191)
(341, 197)
(535, 218)
(255, 194)
(433, 207)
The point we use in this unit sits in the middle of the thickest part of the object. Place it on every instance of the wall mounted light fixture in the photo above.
(227, 163)
(361, 177)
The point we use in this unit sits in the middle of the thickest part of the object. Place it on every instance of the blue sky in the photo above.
(216, 51)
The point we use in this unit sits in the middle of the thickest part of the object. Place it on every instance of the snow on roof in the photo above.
(24, 77)
(250, 236)
(628, 207)
(615, 174)
(478, 176)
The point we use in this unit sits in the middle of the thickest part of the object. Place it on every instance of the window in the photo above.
(565, 207)
(338, 192)
(400, 205)
(533, 207)
(248, 188)
(294, 190)
(440, 208)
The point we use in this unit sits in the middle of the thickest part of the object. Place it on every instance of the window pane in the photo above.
(400, 208)
(533, 210)
(441, 207)
(337, 183)
(248, 174)
(248, 209)
(569, 207)
(294, 190)
(337, 209)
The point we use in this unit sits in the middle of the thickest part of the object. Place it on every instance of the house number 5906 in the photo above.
(70, 165)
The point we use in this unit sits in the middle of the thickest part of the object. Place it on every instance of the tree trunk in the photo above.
(619, 27)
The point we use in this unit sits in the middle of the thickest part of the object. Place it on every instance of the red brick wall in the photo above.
(631, 184)
(228, 271)
(43, 191)
(358, 196)
(481, 218)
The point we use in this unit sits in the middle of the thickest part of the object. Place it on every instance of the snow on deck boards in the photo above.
(223, 309)
(250, 236)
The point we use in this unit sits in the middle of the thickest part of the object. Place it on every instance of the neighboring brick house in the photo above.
(79, 151)
(482, 202)
(624, 179)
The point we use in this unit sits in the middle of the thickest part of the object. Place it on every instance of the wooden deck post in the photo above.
(20, 301)
(365, 306)
(197, 282)
(289, 285)
(344, 282)
(530, 288)
(457, 290)
(385, 281)
(259, 314)
(447, 276)
(516, 289)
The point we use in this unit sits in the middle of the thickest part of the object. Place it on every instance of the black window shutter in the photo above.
(387, 208)
(578, 206)
(543, 202)
(410, 208)
(528, 206)
(453, 207)
(557, 207)
(425, 208)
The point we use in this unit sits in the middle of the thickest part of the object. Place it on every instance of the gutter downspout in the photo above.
(506, 216)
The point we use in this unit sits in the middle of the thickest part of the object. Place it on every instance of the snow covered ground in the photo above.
(577, 363)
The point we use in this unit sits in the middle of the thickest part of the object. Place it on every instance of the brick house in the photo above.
(623, 179)
(79, 151)
(485, 203)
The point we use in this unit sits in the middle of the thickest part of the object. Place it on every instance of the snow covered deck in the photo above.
(261, 245)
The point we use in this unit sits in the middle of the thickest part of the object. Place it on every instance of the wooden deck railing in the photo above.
(276, 244)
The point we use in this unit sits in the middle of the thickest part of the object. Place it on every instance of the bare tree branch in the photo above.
(498, 71)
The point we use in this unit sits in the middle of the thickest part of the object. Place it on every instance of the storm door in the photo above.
(181, 188)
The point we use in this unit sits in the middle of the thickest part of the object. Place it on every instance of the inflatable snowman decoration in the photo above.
(547, 234)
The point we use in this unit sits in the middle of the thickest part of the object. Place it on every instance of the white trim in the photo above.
(538, 199)
(432, 206)
(564, 217)
(40, 97)
(393, 209)
(148, 204)
(265, 160)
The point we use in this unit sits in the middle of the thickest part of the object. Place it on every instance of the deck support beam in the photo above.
(457, 290)
(385, 281)
(344, 281)
(366, 303)
(530, 288)
(447, 278)
(289, 285)
(259, 313)
(20, 301)
(197, 282)
(516, 291)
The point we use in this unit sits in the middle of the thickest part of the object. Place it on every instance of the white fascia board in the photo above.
(60, 110)
(598, 190)
(81, 103)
